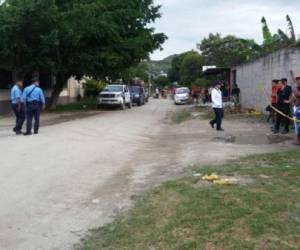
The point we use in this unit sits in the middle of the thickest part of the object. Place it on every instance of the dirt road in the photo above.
(77, 175)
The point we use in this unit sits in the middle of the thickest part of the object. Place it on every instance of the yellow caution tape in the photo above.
(280, 112)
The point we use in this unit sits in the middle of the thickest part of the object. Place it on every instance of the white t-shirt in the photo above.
(216, 98)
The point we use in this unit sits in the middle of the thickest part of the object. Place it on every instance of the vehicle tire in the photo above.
(123, 106)
(130, 105)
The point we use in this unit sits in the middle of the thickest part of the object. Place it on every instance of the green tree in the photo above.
(191, 68)
(274, 42)
(162, 81)
(203, 82)
(227, 51)
(97, 38)
(174, 72)
(267, 35)
(139, 71)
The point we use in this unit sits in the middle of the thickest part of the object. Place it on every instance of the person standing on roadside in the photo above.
(217, 104)
(283, 105)
(34, 100)
(272, 115)
(296, 92)
(236, 91)
(17, 106)
(195, 94)
(297, 120)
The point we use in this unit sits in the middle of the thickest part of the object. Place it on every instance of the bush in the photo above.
(93, 87)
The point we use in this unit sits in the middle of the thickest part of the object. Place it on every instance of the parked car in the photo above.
(115, 95)
(182, 96)
(137, 95)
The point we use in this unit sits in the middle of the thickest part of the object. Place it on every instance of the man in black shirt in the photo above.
(283, 104)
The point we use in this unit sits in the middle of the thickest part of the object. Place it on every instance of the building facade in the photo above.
(254, 78)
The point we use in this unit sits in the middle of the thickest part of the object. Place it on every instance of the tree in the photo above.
(162, 81)
(291, 28)
(280, 39)
(97, 38)
(227, 51)
(191, 67)
(174, 72)
(267, 35)
(138, 71)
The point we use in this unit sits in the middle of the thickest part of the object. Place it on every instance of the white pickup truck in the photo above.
(115, 95)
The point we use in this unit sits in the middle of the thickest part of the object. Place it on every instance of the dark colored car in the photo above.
(137, 95)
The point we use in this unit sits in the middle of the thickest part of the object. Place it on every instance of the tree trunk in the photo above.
(58, 87)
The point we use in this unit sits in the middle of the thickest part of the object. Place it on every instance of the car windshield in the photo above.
(113, 88)
(135, 89)
(182, 91)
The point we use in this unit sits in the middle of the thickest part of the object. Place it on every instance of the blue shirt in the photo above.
(15, 94)
(33, 94)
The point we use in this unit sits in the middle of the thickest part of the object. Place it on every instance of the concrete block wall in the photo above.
(253, 77)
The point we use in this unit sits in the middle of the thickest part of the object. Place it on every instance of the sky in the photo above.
(187, 22)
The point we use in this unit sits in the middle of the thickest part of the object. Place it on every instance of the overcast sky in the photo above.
(187, 22)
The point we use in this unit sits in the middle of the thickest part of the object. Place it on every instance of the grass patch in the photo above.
(263, 214)
(182, 116)
(85, 105)
(232, 114)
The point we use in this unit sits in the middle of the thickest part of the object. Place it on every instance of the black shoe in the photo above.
(285, 132)
(27, 134)
(14, 130)
(212, 124)
(275, 131)
(19, 133)
(36, 133)
(220, 129)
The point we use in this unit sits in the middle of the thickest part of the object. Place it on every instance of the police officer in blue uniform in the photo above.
(17, 106)
(34, 100)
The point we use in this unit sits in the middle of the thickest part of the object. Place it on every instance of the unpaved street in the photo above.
(77, 175)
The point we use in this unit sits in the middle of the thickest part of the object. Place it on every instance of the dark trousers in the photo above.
(20, 117)
(219, 114)
(33, 111)
(281, 120)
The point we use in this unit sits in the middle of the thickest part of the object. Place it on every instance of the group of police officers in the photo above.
(27, 104)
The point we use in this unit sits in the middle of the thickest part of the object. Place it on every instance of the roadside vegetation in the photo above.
(207, 113)
(260, 212)
(84, 105)
(182, 116)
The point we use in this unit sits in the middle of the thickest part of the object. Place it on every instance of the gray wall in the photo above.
(252, 77)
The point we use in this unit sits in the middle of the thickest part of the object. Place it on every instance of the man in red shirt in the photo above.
(272, 116)
(195, 94)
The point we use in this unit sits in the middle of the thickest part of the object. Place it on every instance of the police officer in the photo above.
(34, 100)
(17, 106)
(283, 104)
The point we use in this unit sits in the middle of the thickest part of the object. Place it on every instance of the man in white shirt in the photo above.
(217, 104)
